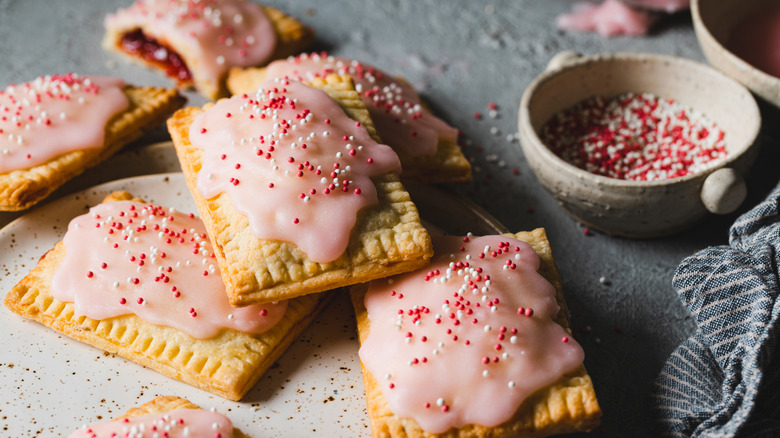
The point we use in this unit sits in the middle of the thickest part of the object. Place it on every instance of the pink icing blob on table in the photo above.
(396, 109)
(468, 338)
(610, 18)
(126, 257)
(216, 34)
(757, 40)
(293, 163)
(178, 423)
(56, 114)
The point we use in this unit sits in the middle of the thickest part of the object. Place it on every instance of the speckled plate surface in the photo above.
(56, 383)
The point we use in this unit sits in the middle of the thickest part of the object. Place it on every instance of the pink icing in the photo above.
(293, 163)
(212, 35)
(611, 18)
(53, 115)
(395, 107)
(456, 344)
(130, 258)
(757, 40)
(178, 423)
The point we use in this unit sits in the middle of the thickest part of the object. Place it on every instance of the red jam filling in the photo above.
(138, 44)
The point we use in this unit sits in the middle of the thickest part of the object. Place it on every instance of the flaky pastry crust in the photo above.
(167, 403)
(292, 37)
(446, 165)
(149, 106)
(569, 405)
(387, 239)
(228, 364)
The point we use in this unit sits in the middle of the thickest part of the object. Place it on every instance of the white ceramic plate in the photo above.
(51, 384)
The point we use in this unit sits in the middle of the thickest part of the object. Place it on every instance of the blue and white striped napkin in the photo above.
(725, 379)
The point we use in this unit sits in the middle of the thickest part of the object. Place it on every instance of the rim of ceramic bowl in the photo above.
(704, 31)
(524, 118)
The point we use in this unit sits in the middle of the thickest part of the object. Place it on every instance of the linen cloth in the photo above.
(725, 379)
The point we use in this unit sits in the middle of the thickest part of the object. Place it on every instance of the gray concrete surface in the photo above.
(463, 55)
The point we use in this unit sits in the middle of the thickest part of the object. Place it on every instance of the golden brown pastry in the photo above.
(474, 363)
(65, 124)
(179, 414)
(105, 293)
(195, 43)
(313, 205)
(427, 146)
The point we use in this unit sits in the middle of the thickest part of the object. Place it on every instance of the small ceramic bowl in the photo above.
(713, 21)
(641, 208)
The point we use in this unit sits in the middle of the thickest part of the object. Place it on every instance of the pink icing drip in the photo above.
(180, 423)
(282, 156)
(212, 34)
(433, 371)
(610, 18)
(395, 108)
(757, 40)
(53, 115)
(129, 258)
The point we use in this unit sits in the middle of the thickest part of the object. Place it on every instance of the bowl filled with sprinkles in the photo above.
(639, 144)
